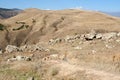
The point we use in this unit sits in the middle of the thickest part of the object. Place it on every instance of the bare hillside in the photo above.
(60, 45)
(33, 25)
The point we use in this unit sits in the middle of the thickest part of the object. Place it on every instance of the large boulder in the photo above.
(91, 35)
(11, 48)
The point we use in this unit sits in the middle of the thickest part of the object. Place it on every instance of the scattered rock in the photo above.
(54, 41)
(108, 46)
(33, 48)
(118, 40)
(69, 38)
(23, 48)
(20, 58)
(107, 36)
(98, 36)
(11, 48)
(91, 35)
(77, 48)
(77, 36)
(93, 51)
(118, 34)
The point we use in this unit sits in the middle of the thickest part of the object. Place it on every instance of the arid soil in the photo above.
(60, 45)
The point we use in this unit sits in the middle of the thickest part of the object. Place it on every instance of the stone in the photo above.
(69, 38)
(77, 36)
(111, 35)
(108, 46)
(118, 40)
(99, 36)
(91, 35)
(54, 41)
(11, 48)
(20, 58)
(33, 48)
(118, 34)
(23, 48)
(51, 42)
(77, 47)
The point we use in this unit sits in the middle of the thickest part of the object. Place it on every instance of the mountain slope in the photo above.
(7, 13)
(116, 14)
(34, 25)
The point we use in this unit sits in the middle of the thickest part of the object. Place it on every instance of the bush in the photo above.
(21, 27)
(2, 27)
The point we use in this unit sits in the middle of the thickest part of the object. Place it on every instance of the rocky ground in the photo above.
(90, 56)
(60, 45)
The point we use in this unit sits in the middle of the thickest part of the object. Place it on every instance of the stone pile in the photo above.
(25, 48)
(89, 36)
(11, 48)
(32, 48)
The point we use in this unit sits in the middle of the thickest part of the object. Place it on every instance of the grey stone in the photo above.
(20, 58)
(23, 48)
(91, 35)
(99, 36)
(111, 35)
(118, 34)
(11, 48)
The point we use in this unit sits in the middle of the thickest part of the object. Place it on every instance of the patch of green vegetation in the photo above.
(19, 75)
(21, 27)
(2, 27)
(20, 22)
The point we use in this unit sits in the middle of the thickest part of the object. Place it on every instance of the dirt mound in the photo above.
(34, 25)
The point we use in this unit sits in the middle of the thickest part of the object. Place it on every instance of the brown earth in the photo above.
(46, 24)
(78, 60)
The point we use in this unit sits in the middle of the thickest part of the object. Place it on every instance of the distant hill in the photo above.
(7, 13)
(117, 14)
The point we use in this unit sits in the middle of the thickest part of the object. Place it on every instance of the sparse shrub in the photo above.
(21, 27)
(20, 23)
(53, 71)
(33, 20)
(2, 27)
